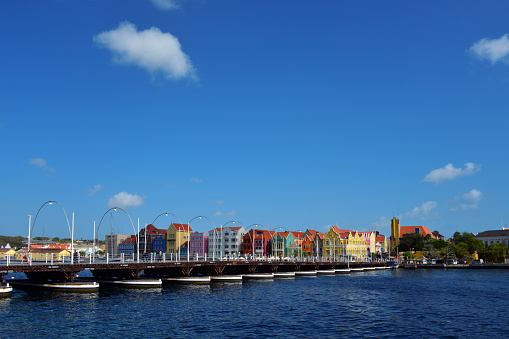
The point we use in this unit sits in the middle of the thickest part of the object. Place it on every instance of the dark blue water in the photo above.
(402, 303)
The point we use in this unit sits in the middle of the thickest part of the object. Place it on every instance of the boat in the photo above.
(5, 290)
(356, 269)
(342, 270)
(226, 278)
(201, 280)
(258, 276)
(379, 267)
(305, 273)
(392, 264)
(284, 274)
(56, 286)
(326, 272)
(127, 283)
(369, 268)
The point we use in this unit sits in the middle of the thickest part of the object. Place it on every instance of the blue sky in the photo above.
(293, 114)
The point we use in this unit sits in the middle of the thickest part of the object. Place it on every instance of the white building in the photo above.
(490, 237)
(225, 242)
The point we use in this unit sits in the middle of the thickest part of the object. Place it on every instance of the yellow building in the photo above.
(395, 233)
(177, 237)
(348, 244)
(44, 254)
(7, 252)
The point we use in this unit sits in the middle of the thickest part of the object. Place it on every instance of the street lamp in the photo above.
(137, 235)
(31, 229)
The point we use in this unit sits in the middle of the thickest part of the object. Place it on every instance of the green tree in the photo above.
(411, 241)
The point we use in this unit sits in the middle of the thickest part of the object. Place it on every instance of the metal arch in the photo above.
(51, 202)
(115, 208)
(166, 213)
(189, 228)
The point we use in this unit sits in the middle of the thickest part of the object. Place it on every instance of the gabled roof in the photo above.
(182, 227)
(380, 238)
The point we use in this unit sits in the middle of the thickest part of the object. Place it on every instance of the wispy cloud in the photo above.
(166, 5)
(96, 188)
(449, 172)
(422, 211)
(493, 50)
(150, 49)
(231, 214)
(125, 200)
(40, 163)
(196, 180)
(218, 214)
(470, 201)
(383, 223)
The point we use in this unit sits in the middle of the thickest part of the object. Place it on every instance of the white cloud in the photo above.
(422, 211)
(196, 180)
(383, 223)
(492, 49)
(218, 214)
(449, 172)
(41, 163)
(96, 188)
(470, 201)
(165, 4)
(125, 200)
(150, 49)
(231, 214)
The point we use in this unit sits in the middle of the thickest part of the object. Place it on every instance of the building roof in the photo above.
(380, 238)
(424, 231)
(182, 227)
(495, 233)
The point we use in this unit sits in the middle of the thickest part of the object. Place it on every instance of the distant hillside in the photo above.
(12, 241)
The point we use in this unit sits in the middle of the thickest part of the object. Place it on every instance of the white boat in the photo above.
(258, 276)
(380, 268)
(189, 280)
(56, 286)
(226, 278)
(305, 273)
(326, 272)
(342, 270)
(5, 290)
(356, 269)
(369, 268)
(284, 274)
(128, 283)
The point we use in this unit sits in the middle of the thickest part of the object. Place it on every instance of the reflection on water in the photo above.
(380, 303)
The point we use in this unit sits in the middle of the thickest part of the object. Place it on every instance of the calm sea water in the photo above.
(401, 303)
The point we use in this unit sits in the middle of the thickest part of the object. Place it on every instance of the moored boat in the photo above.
(305, 273)
(284, 274)
(56, 286)
(326, 272)
(356, 269)
(201, 280)
(226, 278)
(258, 276)
(342, 270)
(5, 290)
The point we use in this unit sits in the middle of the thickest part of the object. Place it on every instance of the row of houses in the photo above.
(182, 240)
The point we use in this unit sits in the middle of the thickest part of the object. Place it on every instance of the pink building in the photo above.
(199, 244)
